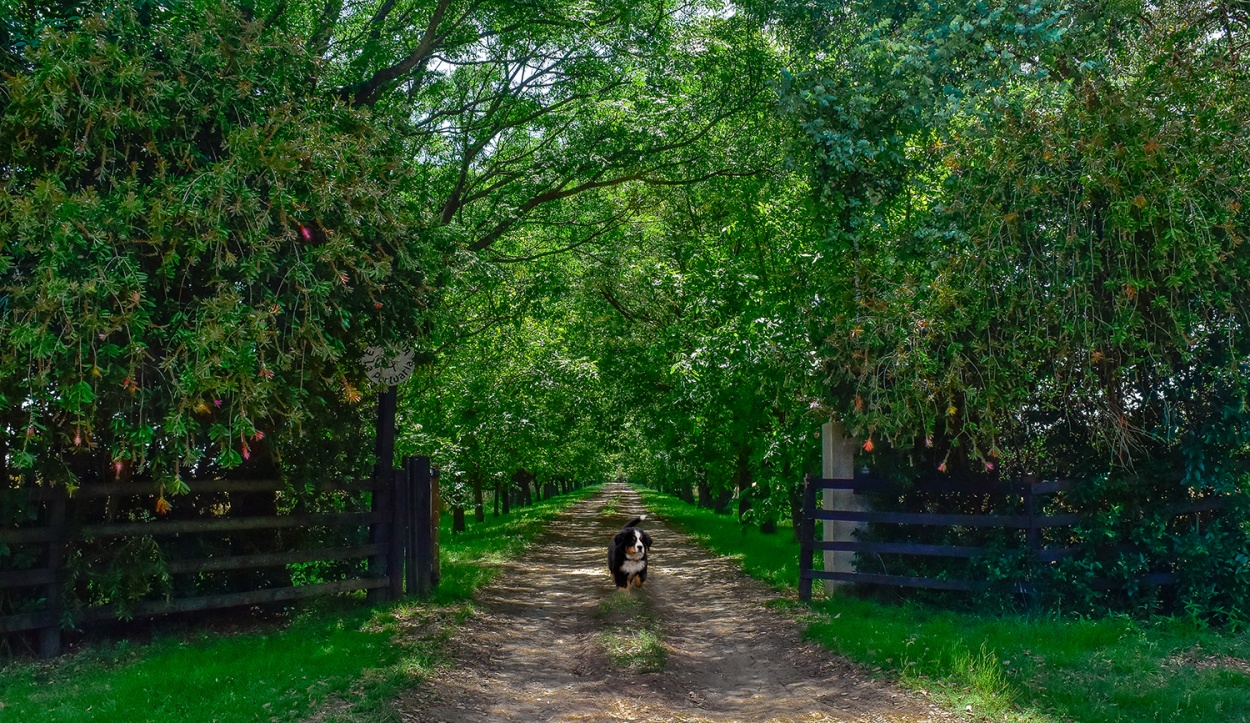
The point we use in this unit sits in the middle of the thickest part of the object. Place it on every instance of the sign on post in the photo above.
(388, 367)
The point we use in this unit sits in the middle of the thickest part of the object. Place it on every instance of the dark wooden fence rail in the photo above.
(400, 529)
(1030, 522)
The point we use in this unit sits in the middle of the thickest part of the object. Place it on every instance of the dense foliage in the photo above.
(194, 243)
(1038, 212)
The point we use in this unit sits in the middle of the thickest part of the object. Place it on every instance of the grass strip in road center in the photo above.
(335, 660)
(633, 638)
(1039, 669)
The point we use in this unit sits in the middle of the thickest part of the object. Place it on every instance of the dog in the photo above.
(627, 555)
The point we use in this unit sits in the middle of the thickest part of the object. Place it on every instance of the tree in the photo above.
(534, 308)
(220, 207)
(1030, 236)
(197, 245)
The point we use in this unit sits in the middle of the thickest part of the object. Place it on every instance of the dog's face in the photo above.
(636, 544)
(635, 547)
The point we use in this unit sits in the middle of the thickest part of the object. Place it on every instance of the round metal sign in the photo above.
(388, 366)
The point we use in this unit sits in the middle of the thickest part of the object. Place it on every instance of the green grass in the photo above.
(609, 507)
(1040, 668)
(621, 604)
(336, 658)
(633, 638)
(638, 649)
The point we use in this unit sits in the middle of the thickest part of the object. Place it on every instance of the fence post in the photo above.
(436, 511)
(807, 535)
(380, 533)
(1032, 536)
(399, 527)
(50, 637)
(838, 462)
(383, 473)
(419, 539)
(408, 465)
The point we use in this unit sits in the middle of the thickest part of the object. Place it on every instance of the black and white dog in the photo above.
(627, 555)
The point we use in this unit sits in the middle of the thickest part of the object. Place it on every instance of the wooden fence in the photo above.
(1029, 522)
(393, 545)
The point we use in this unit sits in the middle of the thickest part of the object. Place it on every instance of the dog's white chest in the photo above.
(633, 567)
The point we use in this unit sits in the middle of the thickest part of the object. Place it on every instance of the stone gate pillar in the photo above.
(838, 462)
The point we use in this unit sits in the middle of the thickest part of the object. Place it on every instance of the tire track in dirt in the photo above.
(537, 648)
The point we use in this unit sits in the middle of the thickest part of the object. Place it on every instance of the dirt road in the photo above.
(555, 641)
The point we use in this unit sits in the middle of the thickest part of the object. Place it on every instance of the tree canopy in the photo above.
(661, 240)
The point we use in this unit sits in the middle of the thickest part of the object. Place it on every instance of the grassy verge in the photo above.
(336, 660)
(1042, 669)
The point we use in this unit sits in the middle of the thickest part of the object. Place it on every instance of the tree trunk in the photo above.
(705, 493)
(496, 499)
(744, 484)
(795, 493)
(457, 519)
(521, 479)
(478, 513)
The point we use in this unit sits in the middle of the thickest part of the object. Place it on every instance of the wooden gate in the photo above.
(1031, 523)
(378, 550)
(1037, 534)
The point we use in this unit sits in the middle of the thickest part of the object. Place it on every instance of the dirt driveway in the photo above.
(554, 640)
